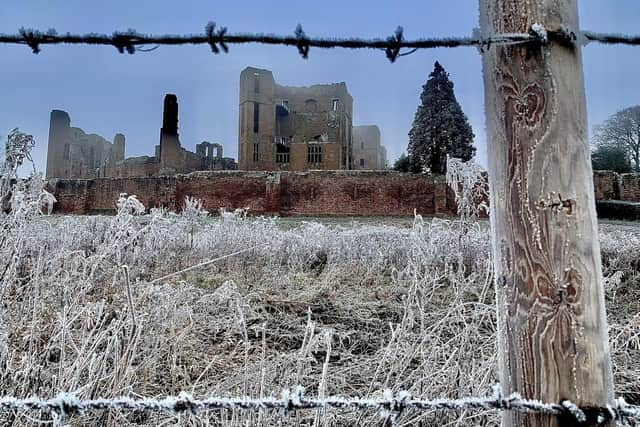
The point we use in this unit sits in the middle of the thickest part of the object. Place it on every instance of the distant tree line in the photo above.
(616, 142)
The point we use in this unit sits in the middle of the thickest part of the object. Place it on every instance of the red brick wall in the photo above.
(285, 193)
(630, 187)
(605, 185)
(295, 193)
(225, 189)
(609, 185)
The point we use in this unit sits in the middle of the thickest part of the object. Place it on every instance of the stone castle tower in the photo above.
(59, 125)
(72, 153)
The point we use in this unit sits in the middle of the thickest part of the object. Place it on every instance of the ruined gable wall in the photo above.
(311, 112)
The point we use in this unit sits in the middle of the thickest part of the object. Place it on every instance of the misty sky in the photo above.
(106, 92)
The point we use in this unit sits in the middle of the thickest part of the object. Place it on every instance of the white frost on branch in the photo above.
(469, 183)
(129, 205)
(193, 207)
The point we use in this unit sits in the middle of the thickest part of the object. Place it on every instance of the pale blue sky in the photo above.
(106, 92)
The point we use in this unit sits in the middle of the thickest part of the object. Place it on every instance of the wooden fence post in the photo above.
(552, 325)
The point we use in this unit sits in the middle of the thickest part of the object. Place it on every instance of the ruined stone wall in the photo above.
(72, 153)
(312, 112)
(136, 167)
(85, 196)
(330, 153)
(271, 193)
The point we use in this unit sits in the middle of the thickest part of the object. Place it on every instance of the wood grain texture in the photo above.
(551, 318)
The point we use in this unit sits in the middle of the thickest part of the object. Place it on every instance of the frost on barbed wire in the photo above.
(469, 183)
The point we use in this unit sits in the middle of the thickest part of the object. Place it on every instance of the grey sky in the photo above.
(106, 92)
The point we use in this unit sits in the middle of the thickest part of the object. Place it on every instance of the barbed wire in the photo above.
(219, 40)
(611, 38)
(390, 405)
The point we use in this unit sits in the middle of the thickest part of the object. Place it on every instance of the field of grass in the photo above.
(340, 307)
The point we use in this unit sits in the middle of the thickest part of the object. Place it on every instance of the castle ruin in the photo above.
(73, 154)
(293, 128)
(280, 128)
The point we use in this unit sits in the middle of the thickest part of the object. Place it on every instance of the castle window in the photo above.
(282, 157)
(362, 163)
(314, 153)
(66, 152)
(334, 104)
(256, 117)
(282, 153)
(256, 83)
(256, 151)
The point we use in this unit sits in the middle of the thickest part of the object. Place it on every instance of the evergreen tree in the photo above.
(403, 164)
(440, 127)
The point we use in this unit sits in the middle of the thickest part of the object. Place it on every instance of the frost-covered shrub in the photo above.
(469, 183)
(193, 208)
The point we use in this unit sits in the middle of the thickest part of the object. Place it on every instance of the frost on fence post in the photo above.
(469, 184)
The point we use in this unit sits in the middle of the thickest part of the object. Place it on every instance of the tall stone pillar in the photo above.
(170, 149)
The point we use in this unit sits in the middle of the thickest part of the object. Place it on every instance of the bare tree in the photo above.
(622, 130)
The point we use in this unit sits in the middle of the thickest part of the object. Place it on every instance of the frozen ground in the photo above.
(340, 306)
